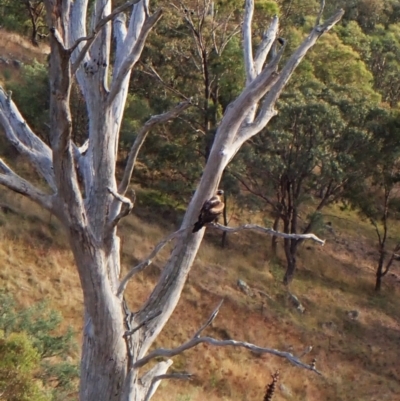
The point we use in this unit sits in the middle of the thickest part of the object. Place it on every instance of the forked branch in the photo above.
(196, 339)
(154, 120)
(90, 39)
(13, 181)
(267, 110)
(154, 74)
(176, 376)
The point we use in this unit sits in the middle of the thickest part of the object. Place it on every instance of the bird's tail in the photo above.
(197, 226)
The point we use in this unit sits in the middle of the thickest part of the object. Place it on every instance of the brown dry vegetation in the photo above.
(15, 47)
(358, 358)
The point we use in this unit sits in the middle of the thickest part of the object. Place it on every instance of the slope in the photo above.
(357, 352)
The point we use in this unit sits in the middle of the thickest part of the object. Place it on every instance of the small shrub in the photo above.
(43, 353)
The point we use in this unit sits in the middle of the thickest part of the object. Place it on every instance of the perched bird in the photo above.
(210, 211)
(281, 41)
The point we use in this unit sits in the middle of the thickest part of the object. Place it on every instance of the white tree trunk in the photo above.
(110, 359)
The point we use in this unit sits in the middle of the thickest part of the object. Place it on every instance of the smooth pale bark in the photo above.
(90, 214)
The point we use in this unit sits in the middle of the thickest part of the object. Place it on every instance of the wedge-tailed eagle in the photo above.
(210, 211)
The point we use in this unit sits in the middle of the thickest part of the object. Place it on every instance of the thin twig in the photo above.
(133, 153)
(178, 376)
(140, 325)
(156, 75)
(209, 321)
(147, 262)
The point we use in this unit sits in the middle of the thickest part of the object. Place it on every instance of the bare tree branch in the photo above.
(134, 55)
(265, 45)
(147, 380)
(270, 231)
(195, 340)
(154, 120)
(24, 140)
(178, 376)
(90, 39)
(13, 181)
(209, 320)
(81, 150)
(226, 144)
(248, 41)
(141, 324)
(142, 265)
(267, 111)
(155, 74)
(127, 206)
(120, 31)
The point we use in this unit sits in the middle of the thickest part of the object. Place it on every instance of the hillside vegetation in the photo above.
(353, 330)
(357, 356)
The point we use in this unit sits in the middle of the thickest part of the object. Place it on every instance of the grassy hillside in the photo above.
(358, 357)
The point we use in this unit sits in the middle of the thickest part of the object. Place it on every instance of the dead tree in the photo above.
(116, 342)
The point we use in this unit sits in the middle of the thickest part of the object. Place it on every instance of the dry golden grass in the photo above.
(359, 358)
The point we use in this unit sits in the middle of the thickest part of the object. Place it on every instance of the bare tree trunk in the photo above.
(379, 272)
(116, 342)
(291, 265)
(104, 358)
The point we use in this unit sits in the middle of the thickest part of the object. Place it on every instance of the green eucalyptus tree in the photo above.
(306, 156)
(375, 195)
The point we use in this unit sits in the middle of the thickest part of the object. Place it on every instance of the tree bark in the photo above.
(378, 281)
(290, 268)
(114, 339)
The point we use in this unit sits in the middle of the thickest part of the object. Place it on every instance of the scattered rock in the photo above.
(295, 301)
(285, 390)
(17, 64)
(7, 209)
(244, 288)
(329, 325)
(353, 314)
